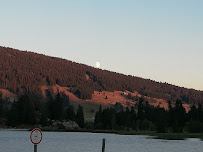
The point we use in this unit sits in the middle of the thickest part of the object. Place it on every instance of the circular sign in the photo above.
(36, 136)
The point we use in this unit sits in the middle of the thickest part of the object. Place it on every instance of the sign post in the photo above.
(36, 137)
(103, 145)
(35, 148)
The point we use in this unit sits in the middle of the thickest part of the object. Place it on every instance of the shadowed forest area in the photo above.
(141, 117)
(144, 117)
(23, 72)
(27, 112)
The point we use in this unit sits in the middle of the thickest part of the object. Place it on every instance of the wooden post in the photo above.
(35, 148)
(103, 145)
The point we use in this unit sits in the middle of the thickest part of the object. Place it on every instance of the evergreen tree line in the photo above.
(141, 117)
(144, 117)
(27, 111)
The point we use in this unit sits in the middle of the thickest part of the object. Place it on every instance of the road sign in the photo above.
(36, 136)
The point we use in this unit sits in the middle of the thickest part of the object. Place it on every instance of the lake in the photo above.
(19, 141)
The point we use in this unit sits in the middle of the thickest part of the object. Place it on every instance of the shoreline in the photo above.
(13, 129)
(155, 135)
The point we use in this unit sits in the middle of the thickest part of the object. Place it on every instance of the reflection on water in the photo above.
(19, 141)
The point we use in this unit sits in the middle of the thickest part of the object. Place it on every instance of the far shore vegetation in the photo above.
(141, 119)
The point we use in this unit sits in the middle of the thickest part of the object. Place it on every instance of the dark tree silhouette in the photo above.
(80, 117)
(1, 107)
(22, 112)
(70, 113)
(56, 108)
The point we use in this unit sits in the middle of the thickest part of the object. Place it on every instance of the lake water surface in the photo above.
(19, 141)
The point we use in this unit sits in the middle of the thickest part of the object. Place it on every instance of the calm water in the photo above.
(18, 141)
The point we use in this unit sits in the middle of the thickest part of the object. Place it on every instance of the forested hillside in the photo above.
(23, 72)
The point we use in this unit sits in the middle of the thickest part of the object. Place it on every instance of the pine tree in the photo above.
(98, 119)
(133, 118)
(22, 111)
(113, 122)
(44, 115)
(80, 117)
(140, 113)
(12, 116)
(56, 108)
(1, 106)
(25, 108)
(70, 113)
(200, 113)
(180, 116)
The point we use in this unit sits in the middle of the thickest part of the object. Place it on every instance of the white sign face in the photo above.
(36, 136)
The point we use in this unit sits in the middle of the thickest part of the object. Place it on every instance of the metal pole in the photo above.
(35, 148)
(103, 145)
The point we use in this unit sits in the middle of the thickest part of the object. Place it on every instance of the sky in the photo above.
(161, 40)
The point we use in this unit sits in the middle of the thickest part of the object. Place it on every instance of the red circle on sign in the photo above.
(33, 131)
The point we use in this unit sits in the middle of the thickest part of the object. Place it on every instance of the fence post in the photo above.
(103, 145)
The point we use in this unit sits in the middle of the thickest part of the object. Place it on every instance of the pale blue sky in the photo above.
(157, 39)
